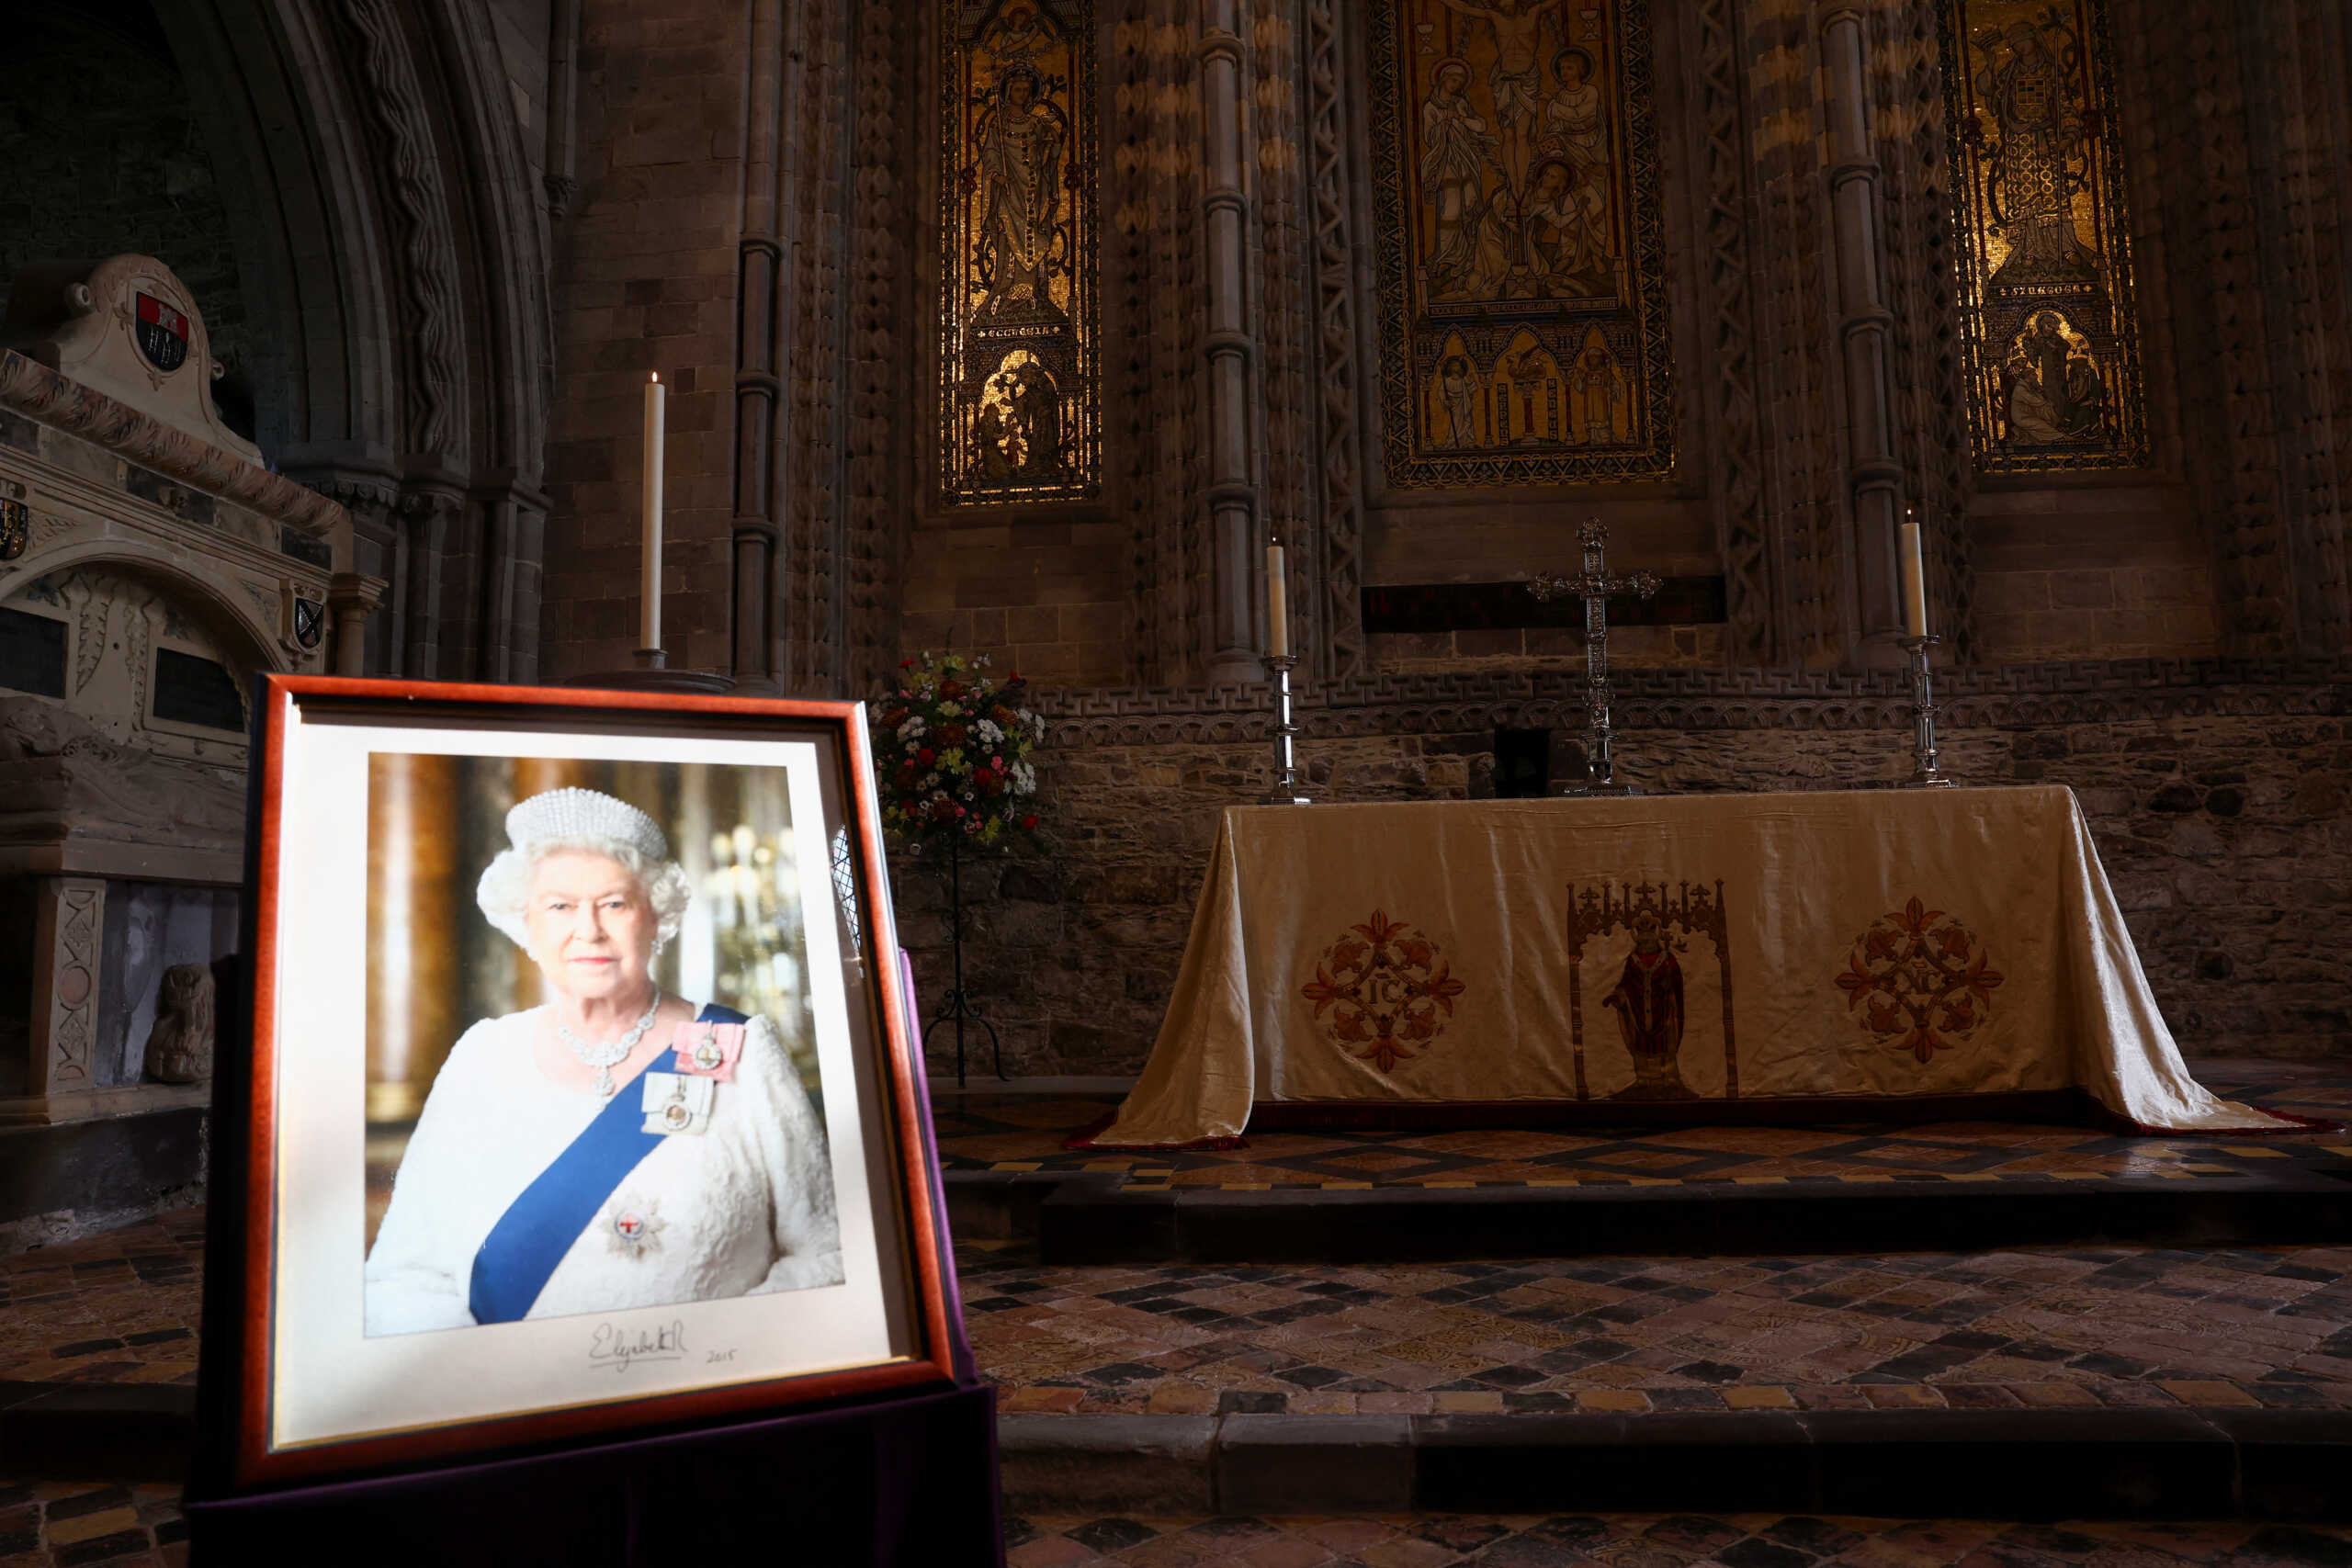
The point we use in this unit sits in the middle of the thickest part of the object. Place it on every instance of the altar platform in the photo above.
(1403, 1195)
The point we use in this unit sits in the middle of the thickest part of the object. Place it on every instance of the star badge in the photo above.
(633, 1225)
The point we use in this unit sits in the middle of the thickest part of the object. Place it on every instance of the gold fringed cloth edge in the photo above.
(1656, 955)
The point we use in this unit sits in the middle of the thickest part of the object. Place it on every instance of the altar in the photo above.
(1823, 956)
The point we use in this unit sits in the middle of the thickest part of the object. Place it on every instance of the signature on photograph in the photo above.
(619, 1348)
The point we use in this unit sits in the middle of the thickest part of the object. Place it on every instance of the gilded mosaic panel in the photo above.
(1020, 413)
(1523, 301)
(2052, 341)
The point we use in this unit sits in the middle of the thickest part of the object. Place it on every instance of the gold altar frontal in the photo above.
(1691, 957)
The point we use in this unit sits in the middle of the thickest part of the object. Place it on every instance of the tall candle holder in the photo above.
(1286, 788)
(1924, 772)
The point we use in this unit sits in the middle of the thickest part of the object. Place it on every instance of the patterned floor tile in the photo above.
(1681, 1540)
(2040, 1328)
(980, 1131)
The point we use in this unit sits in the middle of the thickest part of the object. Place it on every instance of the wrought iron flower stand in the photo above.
(960, 1010)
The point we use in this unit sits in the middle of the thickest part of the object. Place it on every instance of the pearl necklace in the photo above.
(603, 1057)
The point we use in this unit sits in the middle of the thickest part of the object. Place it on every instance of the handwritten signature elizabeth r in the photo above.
(618, 1348)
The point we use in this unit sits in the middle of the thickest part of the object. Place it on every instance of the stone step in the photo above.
(2013, 1464)
(2040, 1464)
(1102, 1217)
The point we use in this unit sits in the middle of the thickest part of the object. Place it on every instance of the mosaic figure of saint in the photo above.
(1567, 252)
(1458, 389)
(2055, 393)
(1648, 1000)
(1457, 148)
(1021, 138)
(1017, 433)
(1498, 268)
(2030, 174)
(1516, 78)
(1575, 122)
(1596, 394)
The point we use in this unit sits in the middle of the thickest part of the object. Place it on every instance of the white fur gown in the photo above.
(743, 1208)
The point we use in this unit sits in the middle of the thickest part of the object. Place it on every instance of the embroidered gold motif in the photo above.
(1382, 993)
(1920, 978)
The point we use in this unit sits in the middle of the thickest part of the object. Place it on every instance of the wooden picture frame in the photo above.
(294, 1390)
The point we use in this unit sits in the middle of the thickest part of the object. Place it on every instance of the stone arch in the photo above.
(257, 640)
(392, 243)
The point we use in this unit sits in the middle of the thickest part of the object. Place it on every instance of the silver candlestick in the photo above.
(1924, 772)
(1286, 789)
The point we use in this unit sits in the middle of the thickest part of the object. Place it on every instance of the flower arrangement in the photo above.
(950, 751)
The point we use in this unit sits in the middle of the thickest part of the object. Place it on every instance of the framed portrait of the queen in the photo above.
(581, 1097)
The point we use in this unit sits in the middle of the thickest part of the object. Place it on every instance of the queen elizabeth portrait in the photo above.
(614, 1147)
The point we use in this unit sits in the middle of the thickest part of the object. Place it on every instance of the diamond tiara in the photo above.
(571, 816)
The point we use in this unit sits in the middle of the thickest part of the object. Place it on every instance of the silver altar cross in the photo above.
(1594, 585)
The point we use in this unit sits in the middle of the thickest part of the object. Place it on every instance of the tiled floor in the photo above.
(2041, 1327)
(50, 1525)
(2038, 1328)
(1681, 1540)
(1014, 1133)
(121, 1307)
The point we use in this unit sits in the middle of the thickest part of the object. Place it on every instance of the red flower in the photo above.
(925, 756)
(1028, 824)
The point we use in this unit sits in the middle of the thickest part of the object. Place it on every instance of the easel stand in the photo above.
(960, 1009)
(901, 1483)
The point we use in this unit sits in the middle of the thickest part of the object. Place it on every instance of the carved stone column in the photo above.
(353, 598)
(69, 921)
(1233, 355)
(759, 387)
(1874, 478)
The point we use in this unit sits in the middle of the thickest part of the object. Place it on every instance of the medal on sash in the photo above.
(678, 1102)
(707, 1050)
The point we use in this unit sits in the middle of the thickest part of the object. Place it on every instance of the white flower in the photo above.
(913, 728)
(930, 781)
(1024, 779)
(989, 734)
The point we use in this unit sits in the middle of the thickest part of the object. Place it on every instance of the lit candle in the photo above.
(1915, 583)
(650, 612)
(1277, 603)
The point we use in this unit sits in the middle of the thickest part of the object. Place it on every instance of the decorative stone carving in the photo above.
(1159, 311)
(179, 1048)
(73, 800)
(1342, 652)
(878, 374)
(70, 918)
(425, 258)
(1737, 444)
(127, 328)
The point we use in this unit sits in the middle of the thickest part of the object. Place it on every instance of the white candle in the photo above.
(1277, 604)
(649, 614)
(1915, 583)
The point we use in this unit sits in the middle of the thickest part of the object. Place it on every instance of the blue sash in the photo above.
(524, 1247)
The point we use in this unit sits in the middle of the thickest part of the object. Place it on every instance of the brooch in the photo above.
(677, 1102)
(633, 1225)
(708, 1050)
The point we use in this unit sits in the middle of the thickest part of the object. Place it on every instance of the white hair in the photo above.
(504, 891)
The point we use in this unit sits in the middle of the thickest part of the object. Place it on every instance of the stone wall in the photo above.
(2219, 793)
(645, 282)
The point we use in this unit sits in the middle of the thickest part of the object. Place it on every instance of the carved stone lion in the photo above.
(179, 1048)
